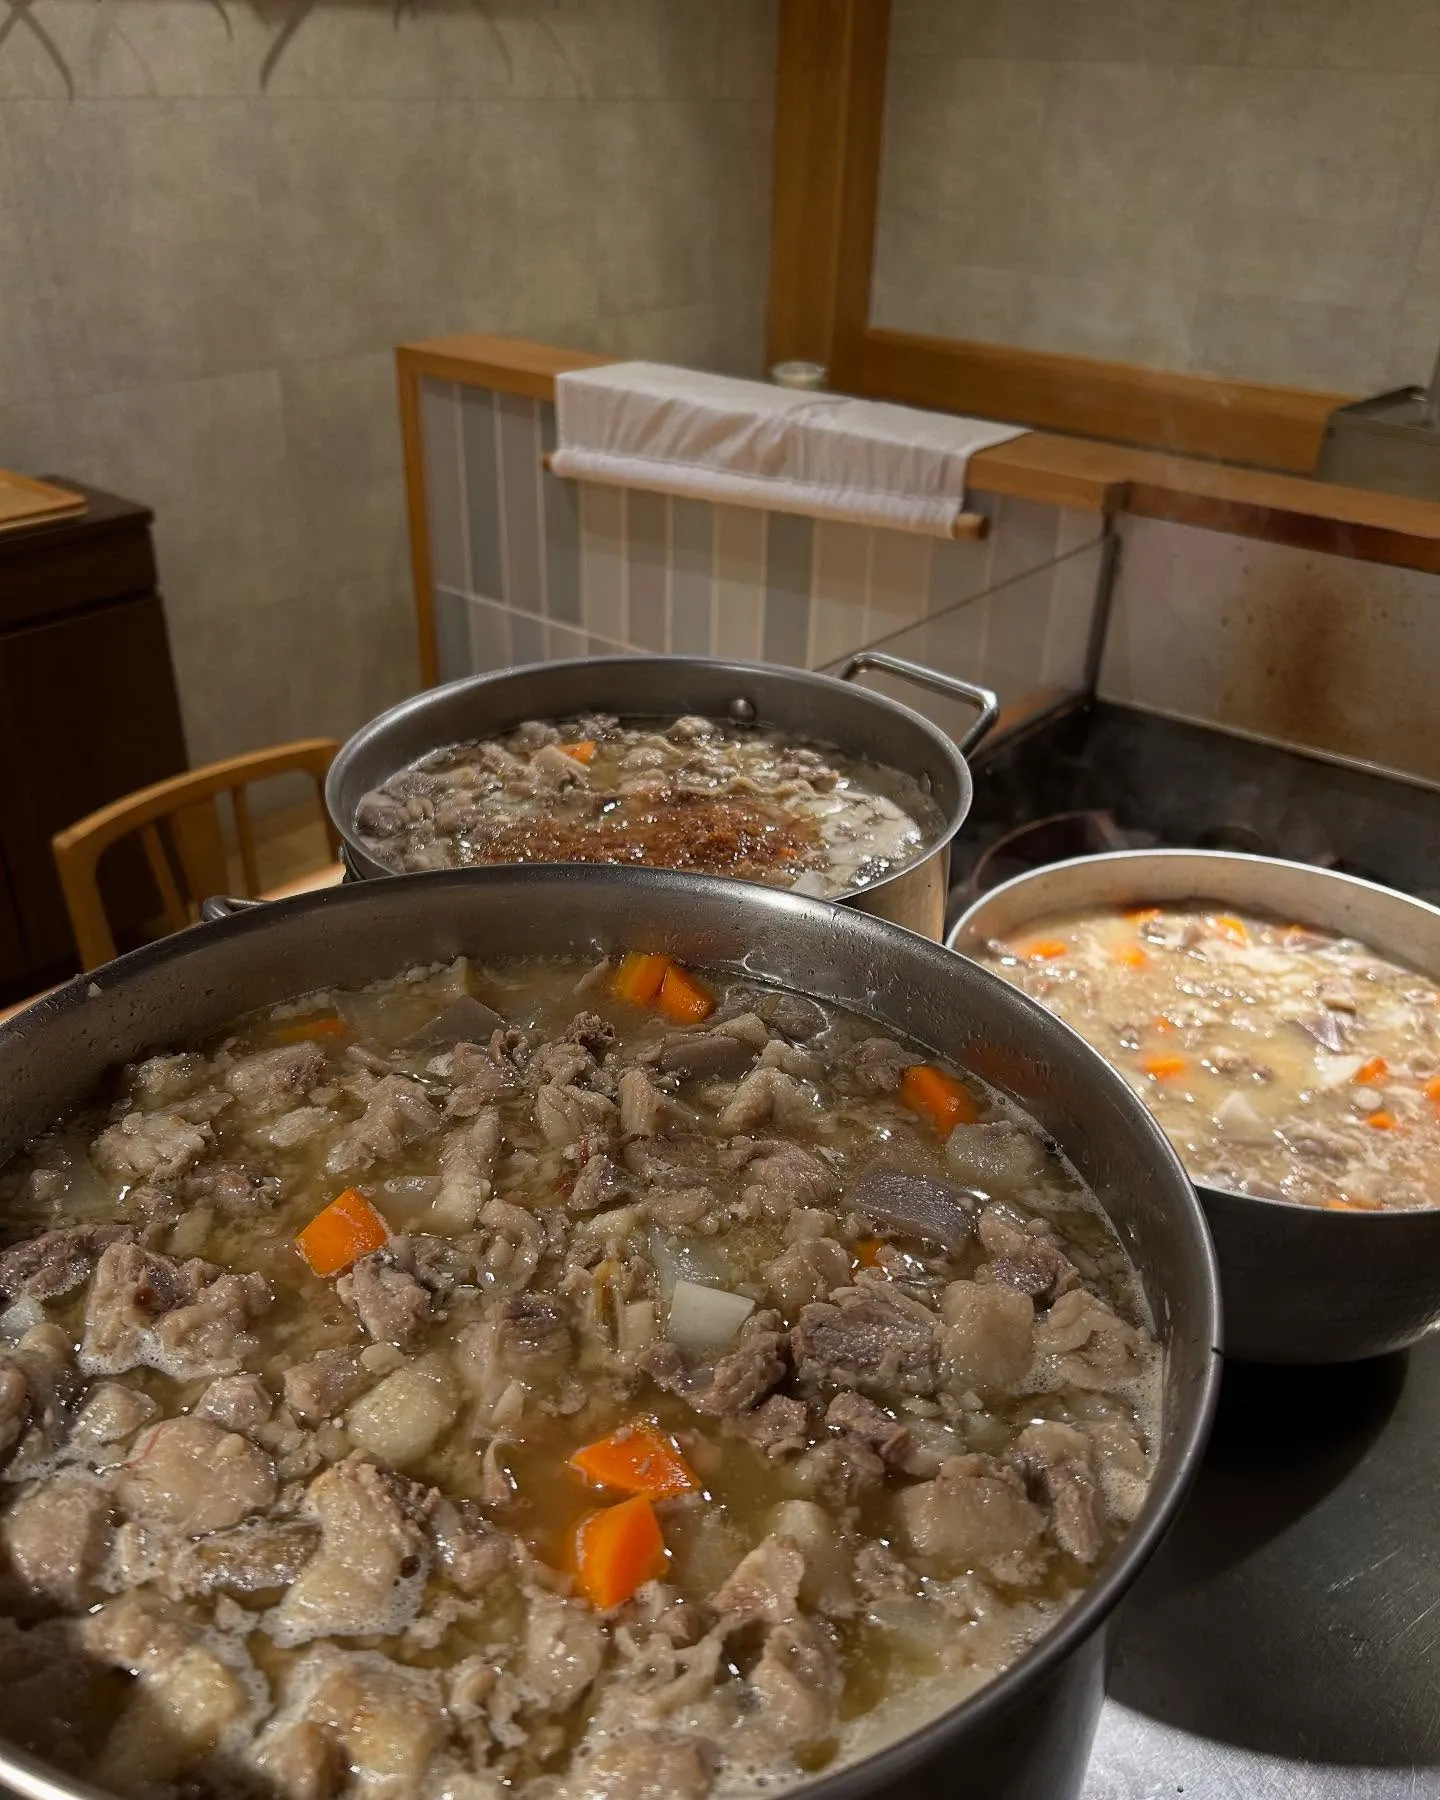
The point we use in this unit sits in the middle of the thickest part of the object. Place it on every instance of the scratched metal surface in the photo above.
(1285, 1645)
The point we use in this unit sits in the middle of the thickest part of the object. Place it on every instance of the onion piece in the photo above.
(705, 1319)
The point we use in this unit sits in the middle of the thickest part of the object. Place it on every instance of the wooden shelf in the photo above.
(1082, 473)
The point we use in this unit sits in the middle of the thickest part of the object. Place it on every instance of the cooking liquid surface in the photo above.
(423, 1635)
(1282, 1061)
(691, 793)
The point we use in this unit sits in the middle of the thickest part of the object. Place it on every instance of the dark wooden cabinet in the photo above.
(88, 712)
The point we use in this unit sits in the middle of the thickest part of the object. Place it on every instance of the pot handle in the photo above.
(224, 906)
(949, 685)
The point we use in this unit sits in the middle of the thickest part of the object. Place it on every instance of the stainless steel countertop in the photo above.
(1285, 1644)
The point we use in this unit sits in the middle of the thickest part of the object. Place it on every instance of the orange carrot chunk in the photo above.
(940, 1097)
(867, 1253)
(1229, 926)
(1432, 1089)
(682, 1000)
(639, 977)
(618, 1550)
(1142, 915)
(330, 1025)
(1164, 1068)
(637, 1459)
(583, 752)
(347, 1229)
(1046, 948)
(1131, 959)
(1372, 1073)
(1353, 1205)
(1380, 1121)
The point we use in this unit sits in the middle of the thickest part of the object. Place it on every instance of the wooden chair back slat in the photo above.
(187, 806)
(246, 836)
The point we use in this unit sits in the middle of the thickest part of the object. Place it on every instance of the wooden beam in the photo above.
(829, 117)
(1195, 415)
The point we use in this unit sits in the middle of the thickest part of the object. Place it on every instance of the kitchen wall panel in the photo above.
(655, 574)
(216, 221)
(1248, 188)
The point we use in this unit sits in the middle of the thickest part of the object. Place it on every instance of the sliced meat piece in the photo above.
(881, 1575)
(599, 1183)
(250, 1559)
(56, 1535)
(189, 1320)
(273, 1081)
(160, 1081)
(472, 1551)
(1024, 1256)
(677, 1163)
(767, 1095)
(915, 1206)
(318, 1389)
(735, 1382)
(988, 1337)
(560, 1065)
(1057, 1460)
(368, 1576)
(799, 1682)
(973, 1515)
(524, 1339)
(839, 1471)
(464, 1021)
(238, 1402)
(467, 1171)
(865, 1337)
(233, 1188)
(590, 1032)
(778, 1426)
(359, 1719)
(877, 1065)
(806, 1271)
(782, 1176)
(397, 1113)
(111, 1414)
(155, 1146)
(563, 1649)
(1087, 1345)
(478, 1078)
(1329, 1030)
(764, 1586)
(565, 1115)
(390, 1303)
(644, 1110)
(15, 1406)
(191, 1476)
(513, 1241)
(42, 1268)
(794, 1014)
(860, 1418)
(705, 1056)
(645, 1765)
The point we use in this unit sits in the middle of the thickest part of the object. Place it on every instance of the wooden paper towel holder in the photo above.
(970, 525)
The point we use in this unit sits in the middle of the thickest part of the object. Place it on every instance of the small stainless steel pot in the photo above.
(1301, 1284)
(825, 707)
(1025, 1736)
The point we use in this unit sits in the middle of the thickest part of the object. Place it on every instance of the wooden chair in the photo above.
(180, 829)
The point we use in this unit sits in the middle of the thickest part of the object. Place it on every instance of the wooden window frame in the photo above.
(829, 132)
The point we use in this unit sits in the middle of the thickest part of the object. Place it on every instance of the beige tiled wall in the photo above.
(216, 219)
(531, 568)
(1320, 652)
(1245, 187)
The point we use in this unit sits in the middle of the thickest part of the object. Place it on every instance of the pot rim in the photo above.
(966, 927)
(343, 818)
(32, 1777)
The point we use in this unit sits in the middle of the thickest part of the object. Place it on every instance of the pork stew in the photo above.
(688, 793)
(573, 1383)
(1282, 1061)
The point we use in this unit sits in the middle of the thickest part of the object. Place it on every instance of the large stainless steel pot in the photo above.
(1300, 1284)
(826, 707)
(1027, 1735)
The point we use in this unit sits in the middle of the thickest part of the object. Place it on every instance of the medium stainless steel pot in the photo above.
(1025, 1736)
(825, 707)
(1301, 1284)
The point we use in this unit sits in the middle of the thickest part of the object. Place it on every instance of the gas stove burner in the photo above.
(1051, 840)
